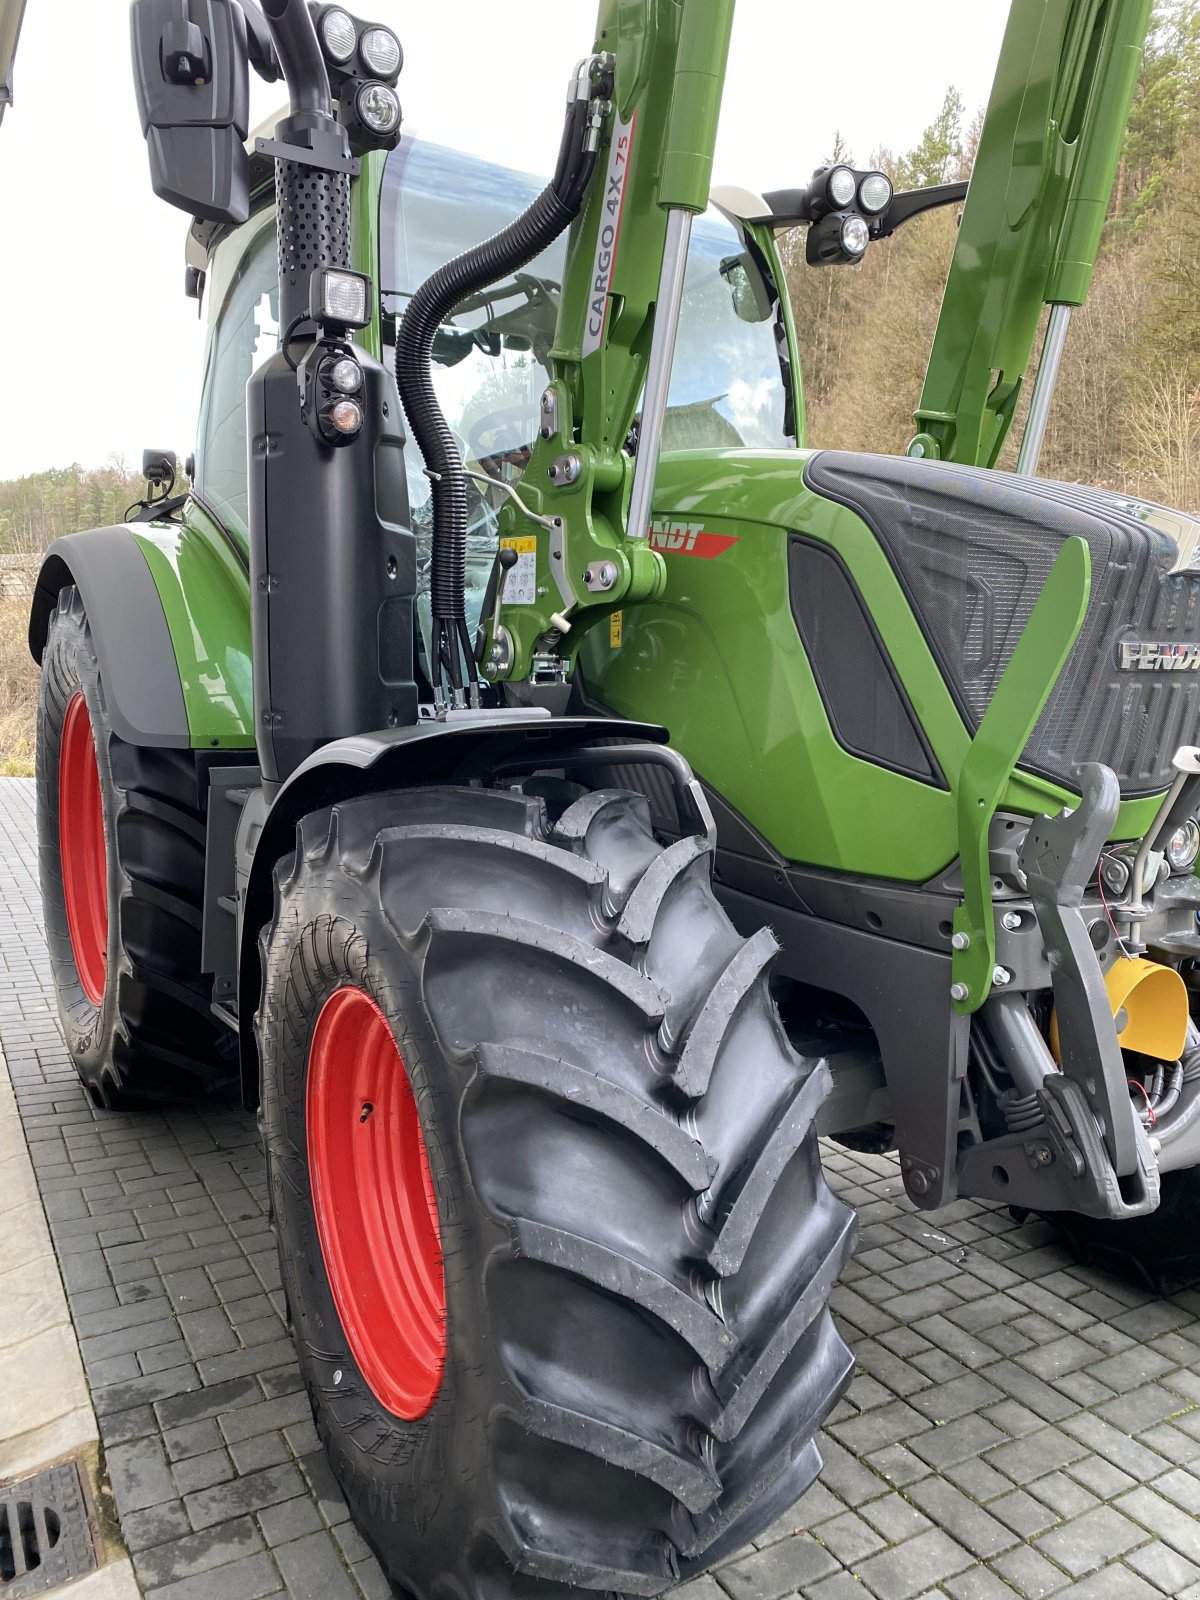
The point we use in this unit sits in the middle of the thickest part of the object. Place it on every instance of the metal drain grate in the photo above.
(45, 1532)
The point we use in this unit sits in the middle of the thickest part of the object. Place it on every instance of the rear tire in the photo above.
(636, 1239)
(121, 861)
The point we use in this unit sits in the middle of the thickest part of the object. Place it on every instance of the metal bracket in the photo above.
(1062, 1165)
(997, 747)
(304, 157)
(1058, 858)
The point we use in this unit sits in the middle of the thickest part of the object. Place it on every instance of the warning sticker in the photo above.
(615, 624)
(520, 581)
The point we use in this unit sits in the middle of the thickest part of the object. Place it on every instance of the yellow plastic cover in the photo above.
(1150, 1006)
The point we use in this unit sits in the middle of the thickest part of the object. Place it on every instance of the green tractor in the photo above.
(355, 789)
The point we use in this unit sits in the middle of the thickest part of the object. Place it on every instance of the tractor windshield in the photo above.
(491, 361)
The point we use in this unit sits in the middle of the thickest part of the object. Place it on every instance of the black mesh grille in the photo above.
(973, 548)
(867, 709)
(314, 223)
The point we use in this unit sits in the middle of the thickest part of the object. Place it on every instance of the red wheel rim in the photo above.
(82, 850)
(376, 1212)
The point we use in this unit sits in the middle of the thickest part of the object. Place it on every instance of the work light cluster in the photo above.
(364, 60)
(842, 204)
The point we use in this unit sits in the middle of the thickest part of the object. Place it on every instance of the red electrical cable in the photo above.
(1135, 1084)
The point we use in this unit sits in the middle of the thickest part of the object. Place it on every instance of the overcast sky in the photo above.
(102, 350)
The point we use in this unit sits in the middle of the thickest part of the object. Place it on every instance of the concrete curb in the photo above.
(48, 1411)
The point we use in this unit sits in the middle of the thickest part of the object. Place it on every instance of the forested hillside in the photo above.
(1127, 409)
(36, 510)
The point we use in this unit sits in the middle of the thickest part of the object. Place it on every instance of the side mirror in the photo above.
(751, 299)
(191, 74)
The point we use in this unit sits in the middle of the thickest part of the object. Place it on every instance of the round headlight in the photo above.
(378, 108)
(855, 236)
(839, 186)
(346, 375)
(338, 34)
(346, 416)
(1184, 846)
(875, 192)
(380, 50)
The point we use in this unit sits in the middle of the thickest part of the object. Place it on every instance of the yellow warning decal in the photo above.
(615, 622)
(520, 581)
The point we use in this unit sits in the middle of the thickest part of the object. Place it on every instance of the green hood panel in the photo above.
(719, 660)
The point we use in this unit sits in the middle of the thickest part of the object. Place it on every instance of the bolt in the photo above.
(1043, 1155)
(917, 1181)
(1115, 873)
(565, 469)
(1001, 976)
(337, 1377)
(961, 941)
(958, 991)
(1011, 921)
(601, 575)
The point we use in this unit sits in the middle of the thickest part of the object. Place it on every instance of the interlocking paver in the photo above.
(1163, 1567)
(780, 1569)
(1091, 1540)
(907, 1569)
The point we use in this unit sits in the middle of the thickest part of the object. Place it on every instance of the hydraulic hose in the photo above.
(504, 253)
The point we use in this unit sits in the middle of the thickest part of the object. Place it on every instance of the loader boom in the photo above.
(1034, 212)
(587, 486)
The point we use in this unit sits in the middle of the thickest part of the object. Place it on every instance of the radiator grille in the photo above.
(973, 548)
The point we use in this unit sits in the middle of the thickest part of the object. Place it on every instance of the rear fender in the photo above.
(473, 746)
(129, 630)
(169, 609)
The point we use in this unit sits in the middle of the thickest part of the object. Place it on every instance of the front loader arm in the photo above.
(1034, 212)
(11, 12)
(572, 519)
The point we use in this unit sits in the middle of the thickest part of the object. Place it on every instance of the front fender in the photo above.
(431, 751)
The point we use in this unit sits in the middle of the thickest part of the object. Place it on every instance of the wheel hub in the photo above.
(375, 1206)
(82, 849)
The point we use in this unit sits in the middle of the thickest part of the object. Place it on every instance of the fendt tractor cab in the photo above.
(355, 788)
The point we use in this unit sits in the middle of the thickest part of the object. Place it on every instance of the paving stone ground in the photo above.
(1019, 1424)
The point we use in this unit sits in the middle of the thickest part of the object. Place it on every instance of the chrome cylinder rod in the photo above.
(1043, 389)
(658, 374)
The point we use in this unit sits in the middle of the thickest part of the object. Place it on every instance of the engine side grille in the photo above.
(973, 548)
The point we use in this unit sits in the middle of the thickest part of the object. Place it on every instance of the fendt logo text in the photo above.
(687, 539)
(1153, 655)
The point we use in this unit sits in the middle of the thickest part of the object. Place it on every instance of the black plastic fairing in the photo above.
(332, 572)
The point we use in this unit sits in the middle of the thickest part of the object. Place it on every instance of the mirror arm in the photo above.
(300, 58)
(261, 47)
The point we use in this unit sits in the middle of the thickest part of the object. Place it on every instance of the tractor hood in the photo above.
(11, 12)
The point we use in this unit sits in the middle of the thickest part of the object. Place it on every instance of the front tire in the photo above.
(1160, 1251)
(121, 862)
(619, 1352)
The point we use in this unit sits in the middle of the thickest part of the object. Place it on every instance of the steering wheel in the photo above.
(493, 421)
